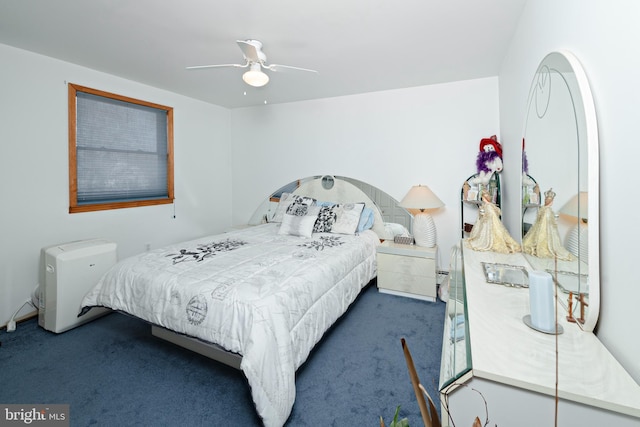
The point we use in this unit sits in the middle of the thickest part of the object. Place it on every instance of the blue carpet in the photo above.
(113, 372)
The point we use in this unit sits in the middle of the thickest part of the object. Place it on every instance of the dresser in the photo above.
(407, 270)
(492, 362)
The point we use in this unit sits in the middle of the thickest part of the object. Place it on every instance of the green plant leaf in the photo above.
(399, 423)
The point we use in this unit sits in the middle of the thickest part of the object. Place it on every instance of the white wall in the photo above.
(392, 139)
(34, 171)
(604, 36)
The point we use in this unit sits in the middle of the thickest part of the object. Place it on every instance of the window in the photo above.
(120, 151)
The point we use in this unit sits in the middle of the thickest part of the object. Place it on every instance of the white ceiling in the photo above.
(357, 46)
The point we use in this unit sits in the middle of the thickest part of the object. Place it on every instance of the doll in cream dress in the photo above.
(543, 239)
(488, 233)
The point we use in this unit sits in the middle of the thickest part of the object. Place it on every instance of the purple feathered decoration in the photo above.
(525, 163)
(484, 158)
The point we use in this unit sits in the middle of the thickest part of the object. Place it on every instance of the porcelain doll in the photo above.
(488, 233)
(543, 239)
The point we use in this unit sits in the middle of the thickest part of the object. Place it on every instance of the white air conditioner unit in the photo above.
(70, 271)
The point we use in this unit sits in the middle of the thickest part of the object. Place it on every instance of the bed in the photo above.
(257, 298)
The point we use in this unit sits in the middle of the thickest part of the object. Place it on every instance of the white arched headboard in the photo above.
(389, 218)
(343, 192)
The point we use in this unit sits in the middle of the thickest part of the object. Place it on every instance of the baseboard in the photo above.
(406, 294)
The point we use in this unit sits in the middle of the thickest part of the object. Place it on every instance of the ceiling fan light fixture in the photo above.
(255, 76)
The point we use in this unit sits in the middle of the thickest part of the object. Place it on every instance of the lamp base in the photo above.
(424, 230)
(578, 240)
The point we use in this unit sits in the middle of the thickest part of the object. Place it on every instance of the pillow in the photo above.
(299, 220)
(283, 204)
(286, 200)
(326, 218)
(366, 220)
(395, 229)
(347, 218)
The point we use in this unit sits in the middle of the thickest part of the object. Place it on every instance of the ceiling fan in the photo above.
(255, 60)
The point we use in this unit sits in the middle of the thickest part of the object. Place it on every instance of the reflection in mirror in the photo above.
(543, 239)
(560, 155)
(530, 193)
(577, 238)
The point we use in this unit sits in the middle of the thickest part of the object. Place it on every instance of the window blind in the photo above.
(121, 150)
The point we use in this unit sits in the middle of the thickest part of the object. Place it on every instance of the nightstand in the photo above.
(407, 270)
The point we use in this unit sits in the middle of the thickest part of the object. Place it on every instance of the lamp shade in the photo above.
(424, 229)
(255, 76)
(421, 197)
(577, 206)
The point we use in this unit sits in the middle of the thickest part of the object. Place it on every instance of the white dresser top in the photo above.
(505, 350)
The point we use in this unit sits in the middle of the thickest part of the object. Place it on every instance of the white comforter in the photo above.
(266, 296)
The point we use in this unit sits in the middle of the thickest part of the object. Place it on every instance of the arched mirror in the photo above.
(560, 166)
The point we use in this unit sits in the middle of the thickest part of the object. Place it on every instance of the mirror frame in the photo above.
(593, 175)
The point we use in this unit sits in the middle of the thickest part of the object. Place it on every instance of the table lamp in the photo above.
(577, 239)
(421, 198)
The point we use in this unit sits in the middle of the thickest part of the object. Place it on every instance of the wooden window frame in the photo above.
(74, 207)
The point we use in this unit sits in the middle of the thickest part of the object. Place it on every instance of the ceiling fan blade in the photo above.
(250, 49)
(277, 67)
(196, 67)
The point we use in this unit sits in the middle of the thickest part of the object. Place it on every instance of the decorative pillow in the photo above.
(300, 204)
(366, 220)
(347, 218)
(286, 200)
(283, 204)
(299, 220)
(326, 219)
